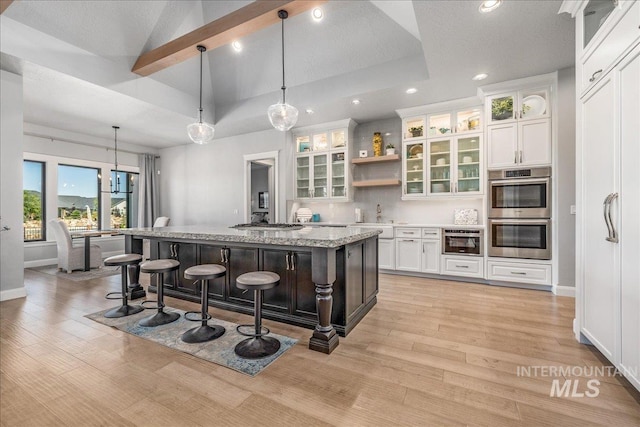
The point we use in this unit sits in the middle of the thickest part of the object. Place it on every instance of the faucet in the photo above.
(378, 214)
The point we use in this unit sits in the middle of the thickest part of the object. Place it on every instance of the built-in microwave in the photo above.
(520, 238)
(520, 193)
(462, 241)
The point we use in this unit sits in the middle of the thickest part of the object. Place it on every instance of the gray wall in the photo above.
(11, 241)
(565, 173)
(259, 183)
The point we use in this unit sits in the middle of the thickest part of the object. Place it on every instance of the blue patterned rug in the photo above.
(218, 351)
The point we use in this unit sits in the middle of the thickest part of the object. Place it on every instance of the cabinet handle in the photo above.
(222, 256)
(520, 156)
(462, 266)
(292, 257)
(515, 156)
(408, 232)
(408, 240)
(456, 187)
(520, 273)
(613, 235)
(286, 257)
(594, 75)
(606, 206)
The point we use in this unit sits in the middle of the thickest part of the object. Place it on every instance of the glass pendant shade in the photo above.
(200, 132)
(282, 116)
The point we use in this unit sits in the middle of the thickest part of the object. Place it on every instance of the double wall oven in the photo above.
(520, 213)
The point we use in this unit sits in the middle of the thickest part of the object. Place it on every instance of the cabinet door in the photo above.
(303, 177)
(370, 258)
(214, 255)
(502, 145)
(535, 142)
(355, 279)
(240, 261)
(279, 262)
(303, 290)
(501, 108)
(387, 254)
(430, 256)
(408, 254)
(320, 187)
(338, 175)
(469, 165)
(629, 208)
(440, 160)
(413, 169)
(166, 250)
(599, 272)
(187, 255)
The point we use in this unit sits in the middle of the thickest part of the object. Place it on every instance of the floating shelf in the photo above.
(376, 183)
(378, 159)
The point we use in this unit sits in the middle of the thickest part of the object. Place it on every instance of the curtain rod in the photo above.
(37, 135)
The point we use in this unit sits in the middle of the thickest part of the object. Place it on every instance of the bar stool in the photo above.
(125, 309)
(258, 345)
(203, 333)
(159, 267)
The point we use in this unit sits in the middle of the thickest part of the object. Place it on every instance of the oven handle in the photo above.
(519, 181)
(519, 221)
(462, 235)
(613, 234)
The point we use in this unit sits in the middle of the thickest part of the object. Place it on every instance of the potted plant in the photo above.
(390, 149)
(502, 108)
(416, 131)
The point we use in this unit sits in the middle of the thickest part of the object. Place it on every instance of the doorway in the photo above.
(261, 187)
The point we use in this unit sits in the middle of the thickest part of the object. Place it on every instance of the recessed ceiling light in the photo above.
(308, 111)
(412, 90)
(480, 76)
(355, 102)
(489, 5)
(237, 46)
(317, 14)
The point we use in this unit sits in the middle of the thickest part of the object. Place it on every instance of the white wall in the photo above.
(565, 173)
(11, 241)
(259, 183)
(203, 184)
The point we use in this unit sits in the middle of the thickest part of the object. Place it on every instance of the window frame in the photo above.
(99, 188)
(43, 202)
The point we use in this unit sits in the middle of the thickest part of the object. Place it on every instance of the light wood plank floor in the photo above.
(431, 352)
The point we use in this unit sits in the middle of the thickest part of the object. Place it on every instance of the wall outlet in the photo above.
(572, 210)
(235, 211)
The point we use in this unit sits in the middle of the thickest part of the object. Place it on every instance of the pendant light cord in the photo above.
(115, 131)
(283, 15)
(201, 49)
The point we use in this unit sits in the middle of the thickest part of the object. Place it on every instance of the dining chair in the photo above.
(72, 257)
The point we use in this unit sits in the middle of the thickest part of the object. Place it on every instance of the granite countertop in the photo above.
(394, 224)
(315, 237)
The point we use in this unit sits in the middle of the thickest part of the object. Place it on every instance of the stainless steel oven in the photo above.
(520, 238)
(520, 193)
(462, 241)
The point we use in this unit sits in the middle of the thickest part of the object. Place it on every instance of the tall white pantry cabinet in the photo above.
(608, 179)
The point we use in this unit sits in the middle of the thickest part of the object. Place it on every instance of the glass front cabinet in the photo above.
(520, 105)
(443, 154)
(322, 153)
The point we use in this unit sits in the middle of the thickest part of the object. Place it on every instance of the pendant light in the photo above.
(115, 189)
(282, 115)
(200, 132)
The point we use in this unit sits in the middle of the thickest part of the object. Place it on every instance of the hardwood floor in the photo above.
(431, 352)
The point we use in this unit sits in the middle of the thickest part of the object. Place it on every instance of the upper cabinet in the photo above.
(519, 127)
(442, 150)
(322, 158)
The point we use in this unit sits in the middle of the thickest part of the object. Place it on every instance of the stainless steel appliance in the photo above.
(462, 241)
(520, 193)
(520, 238)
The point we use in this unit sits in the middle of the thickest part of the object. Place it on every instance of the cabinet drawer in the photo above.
(539, 274)
(431, 233)
(408, 232)
(462, 266)
(623, 35)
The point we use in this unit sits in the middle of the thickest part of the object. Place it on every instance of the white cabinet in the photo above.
(455, 166)
(408, 254)
(456, 265)
(608, 201)
(322, 160)
(519, 131)
(387, 254)
(520, 272)
(431, 250)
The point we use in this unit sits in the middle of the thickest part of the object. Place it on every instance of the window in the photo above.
(124, 203)
(78, 197)
(33, 200)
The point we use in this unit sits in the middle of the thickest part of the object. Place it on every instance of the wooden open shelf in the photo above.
(376, 183)
(362, 160)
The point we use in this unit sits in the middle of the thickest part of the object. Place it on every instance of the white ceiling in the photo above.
(76, 58)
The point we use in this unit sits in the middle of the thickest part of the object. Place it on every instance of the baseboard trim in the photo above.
(564, 291)
(13, 294)
(54, 261)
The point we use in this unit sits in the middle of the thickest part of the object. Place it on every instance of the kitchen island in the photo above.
(328, 276)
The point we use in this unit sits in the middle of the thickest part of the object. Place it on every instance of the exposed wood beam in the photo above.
(242, 22)
(4, 4)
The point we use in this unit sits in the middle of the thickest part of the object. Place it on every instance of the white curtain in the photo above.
(149, 202)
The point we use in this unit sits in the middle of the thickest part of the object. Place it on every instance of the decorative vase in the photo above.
(390, 151)
(377, 144)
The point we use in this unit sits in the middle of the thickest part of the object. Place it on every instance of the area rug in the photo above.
(79, 275)
(218, 351)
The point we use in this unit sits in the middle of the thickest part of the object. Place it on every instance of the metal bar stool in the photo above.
(159, 267)
(125, 309)
(258, 345)
(205, 332)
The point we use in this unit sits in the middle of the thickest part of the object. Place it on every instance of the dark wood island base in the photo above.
(328, 289)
